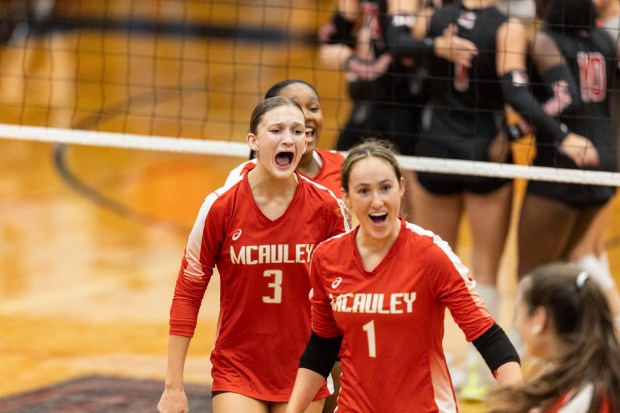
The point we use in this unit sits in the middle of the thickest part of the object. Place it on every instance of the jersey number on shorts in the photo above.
(276, 285)
(592, 78)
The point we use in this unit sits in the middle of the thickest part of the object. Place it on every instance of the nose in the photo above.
(288, 138)
(376, 200)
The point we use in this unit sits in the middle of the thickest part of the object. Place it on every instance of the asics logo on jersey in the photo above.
(236, 235)
(336, 282)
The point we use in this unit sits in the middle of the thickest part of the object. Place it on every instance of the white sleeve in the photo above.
(579, 402)
(235, 174)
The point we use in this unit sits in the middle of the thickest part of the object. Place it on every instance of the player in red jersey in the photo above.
(320, 165)
(260, 233)
(380, 291)
(565, 321)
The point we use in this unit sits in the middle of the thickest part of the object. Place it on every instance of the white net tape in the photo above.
(237, 149)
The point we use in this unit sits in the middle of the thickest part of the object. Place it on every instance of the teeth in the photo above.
(377, 214)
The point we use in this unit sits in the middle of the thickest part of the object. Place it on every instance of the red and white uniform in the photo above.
(264, 321)
(579, 402)
(392, 320)
(329, 174)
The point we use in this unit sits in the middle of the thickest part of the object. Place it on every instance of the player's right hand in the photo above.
(173, 401)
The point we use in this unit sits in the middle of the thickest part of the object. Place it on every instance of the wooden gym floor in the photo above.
(91, 238)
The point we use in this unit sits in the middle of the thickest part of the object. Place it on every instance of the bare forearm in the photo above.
(307, 384)
(177, 353)
(173, 399)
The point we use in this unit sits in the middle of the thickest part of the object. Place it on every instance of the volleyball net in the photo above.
(183, 76)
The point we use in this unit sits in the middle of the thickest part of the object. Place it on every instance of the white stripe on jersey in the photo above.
(580, 402)
(456, 261)
(235, 175)
(347, 227)
(194, 240)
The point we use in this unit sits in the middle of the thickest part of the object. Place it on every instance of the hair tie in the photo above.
(581, 278)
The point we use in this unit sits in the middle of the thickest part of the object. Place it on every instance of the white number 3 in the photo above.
(276, 298)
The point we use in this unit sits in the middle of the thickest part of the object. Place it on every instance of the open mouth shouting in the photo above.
(378, 217)
(284, 159)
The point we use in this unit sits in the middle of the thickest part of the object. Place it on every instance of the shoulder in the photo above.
(433, 247)
(239, 171)
(334, 244)
(222, 197)
(578, 400)
(604, 39)
(315, 189)
(330, 156)
(545, 50)
(423, 240)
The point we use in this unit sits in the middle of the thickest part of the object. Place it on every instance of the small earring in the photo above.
(536, 329)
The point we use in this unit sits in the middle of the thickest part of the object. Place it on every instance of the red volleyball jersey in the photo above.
(392, 319)
(579, 401)
(264, 320)
(328, 176)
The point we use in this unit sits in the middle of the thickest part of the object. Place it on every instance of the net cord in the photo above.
(237, 149)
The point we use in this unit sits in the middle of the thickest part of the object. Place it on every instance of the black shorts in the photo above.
(398, 123)
(447, 184)
(573, 195)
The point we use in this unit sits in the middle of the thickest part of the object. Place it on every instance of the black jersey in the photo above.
(591, 58)
(400, 84)
(466, 103)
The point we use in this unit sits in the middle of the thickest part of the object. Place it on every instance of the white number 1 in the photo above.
(276, 285)
(369, 328)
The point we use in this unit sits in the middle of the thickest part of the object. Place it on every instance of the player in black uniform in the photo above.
(465, 121)
(385, 93)
(576, 62)
(385, 89)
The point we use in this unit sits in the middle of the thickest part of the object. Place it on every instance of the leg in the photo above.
(407, 206)
(544, 232)
(591, 254)
(438, 213)
(315, 407)
(489, 218)
(331, 401)
(229, 402)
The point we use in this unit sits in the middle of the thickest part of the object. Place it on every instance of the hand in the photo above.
(173, 401)
(326, 31)
(334, 56)
(580, 149)
(365, 70)
(450, 47)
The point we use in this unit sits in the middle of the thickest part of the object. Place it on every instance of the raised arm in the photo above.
(511, 68)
